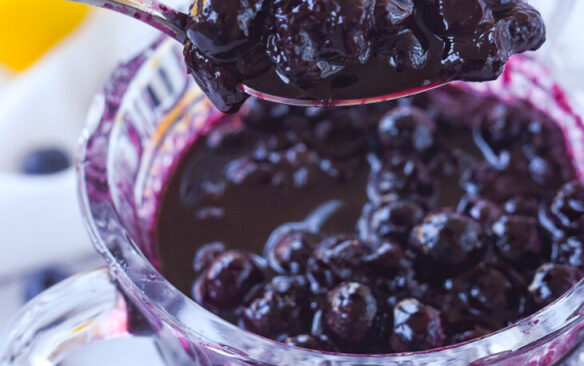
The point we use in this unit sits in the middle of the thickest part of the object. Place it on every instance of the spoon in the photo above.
(173, 23)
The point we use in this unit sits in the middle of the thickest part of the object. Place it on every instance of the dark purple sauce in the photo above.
(393, 227)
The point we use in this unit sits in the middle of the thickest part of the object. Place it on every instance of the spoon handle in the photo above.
(165, 19)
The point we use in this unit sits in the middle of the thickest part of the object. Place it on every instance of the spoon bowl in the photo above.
(173, 23)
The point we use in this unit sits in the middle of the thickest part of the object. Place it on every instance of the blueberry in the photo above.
(390, 15)
(501, 4)
(400, 176)
(42, 280)
(282, 308)
(407, 128)
(499, 129)
(339, 134)
(569, 251)
(448, 237)
(385, 258)
(227, 280)
(45, 161)
(476, 58)
(342, 255)
(392, 220)
(552, 281)
(567, 207)
(406, 51)
(223, 30)
(350, 312)
(416, 327)
(517, 237)
(220, 82)
(489, 289)
(523, 205)
(289, 249)
(453, 17)
(523, 28)
(207, 254)
(314, 39)
(483, 211)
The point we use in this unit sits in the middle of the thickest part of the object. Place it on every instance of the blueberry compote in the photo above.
(351, 49)
(393, 227)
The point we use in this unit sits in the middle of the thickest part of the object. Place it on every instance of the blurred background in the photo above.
(54, 57)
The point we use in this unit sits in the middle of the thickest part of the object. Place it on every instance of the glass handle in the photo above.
(82, 309)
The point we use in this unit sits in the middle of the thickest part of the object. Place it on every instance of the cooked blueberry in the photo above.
(569, 251)
(45, 161)
(227, 280)
(385, 259)
(489, 289)
(390, 15)
(315, 39)
(342, 255)
(407, 128)
(523, 205)
(219, 82)
(224, 29)
(416, 327)
(501, 4)
(448, 237)
(523, 28)
(280, 309)
(552, 281)
(453, 17)
(351, 309)
(517, 237)
(568, 207)
(498, 129)
(400, 176)
(405, 51)
(289, 249)
(340, 134)
(39, 281)
(207, 254)
(392, 220)
(483, 211)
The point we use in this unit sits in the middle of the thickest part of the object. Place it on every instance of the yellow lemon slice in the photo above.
(28, 28)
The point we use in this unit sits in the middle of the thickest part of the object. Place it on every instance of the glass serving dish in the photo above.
(149, 112)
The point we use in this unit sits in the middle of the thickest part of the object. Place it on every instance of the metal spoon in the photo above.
(173, 23)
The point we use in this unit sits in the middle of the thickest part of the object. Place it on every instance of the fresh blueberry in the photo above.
(42, 280)
(45, 161)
